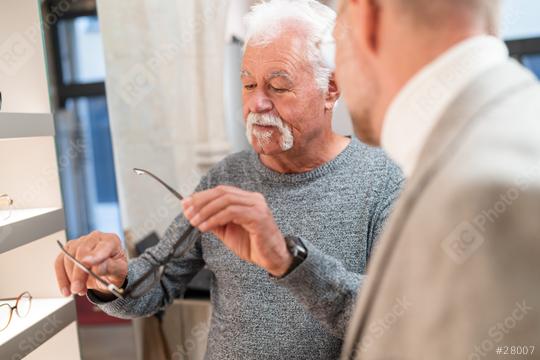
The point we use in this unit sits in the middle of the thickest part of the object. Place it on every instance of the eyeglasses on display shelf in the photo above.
(153, 275)
(23, 303)
(6, 207)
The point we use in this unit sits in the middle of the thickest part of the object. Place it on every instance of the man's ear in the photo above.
(333, 93)
(367, 13)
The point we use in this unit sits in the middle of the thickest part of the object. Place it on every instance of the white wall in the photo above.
(23, 80)
(164, 62)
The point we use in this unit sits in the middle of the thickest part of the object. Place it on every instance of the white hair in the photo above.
(265, 22)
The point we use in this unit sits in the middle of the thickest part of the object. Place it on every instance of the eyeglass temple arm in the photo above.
(174, 192)
(182, 238)
(188, 231)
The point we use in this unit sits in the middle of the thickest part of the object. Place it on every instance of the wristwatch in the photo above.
(297, 249)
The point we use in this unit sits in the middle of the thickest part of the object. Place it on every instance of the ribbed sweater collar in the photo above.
(324, 169)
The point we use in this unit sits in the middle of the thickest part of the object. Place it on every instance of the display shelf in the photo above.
(30, 175)
(18, 125)
(47, 317)
(27, 225)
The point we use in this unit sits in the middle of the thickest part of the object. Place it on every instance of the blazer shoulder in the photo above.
(503, 140)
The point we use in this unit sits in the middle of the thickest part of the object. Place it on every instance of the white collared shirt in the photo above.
(415, 111)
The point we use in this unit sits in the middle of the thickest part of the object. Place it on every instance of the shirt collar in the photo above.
(415, 111)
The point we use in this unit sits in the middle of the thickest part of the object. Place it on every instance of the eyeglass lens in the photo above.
(6, 205)
(5, 316)
(23, 303)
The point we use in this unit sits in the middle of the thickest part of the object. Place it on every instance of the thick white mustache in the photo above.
(264, 137)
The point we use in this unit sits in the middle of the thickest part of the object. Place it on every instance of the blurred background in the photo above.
(155, 84)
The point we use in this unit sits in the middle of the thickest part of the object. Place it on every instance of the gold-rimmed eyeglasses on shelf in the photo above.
(6, 206)
(23, 303)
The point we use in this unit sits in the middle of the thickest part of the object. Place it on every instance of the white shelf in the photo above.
(46, 318)
(27, 225)
(29, 174)
(18, 125)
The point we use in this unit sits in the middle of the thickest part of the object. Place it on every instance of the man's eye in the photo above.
(250, 86)
(278, 90)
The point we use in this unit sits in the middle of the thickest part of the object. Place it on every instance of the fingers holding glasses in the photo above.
(107, 246)
(69, 275)
(82, 249)
(99, 252)
(202, 206)
(61, 275)
(243, 221)
(64, 270)
(109, 260)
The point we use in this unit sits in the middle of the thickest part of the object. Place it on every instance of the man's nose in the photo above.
(260, 103)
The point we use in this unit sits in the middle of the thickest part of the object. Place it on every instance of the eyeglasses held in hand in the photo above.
(111, 287)
(153, 275)
(6, 207)
(23, 303)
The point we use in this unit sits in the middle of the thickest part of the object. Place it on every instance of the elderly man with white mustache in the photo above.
(269, 218)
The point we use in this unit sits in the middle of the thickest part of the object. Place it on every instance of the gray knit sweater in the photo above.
(337, 209)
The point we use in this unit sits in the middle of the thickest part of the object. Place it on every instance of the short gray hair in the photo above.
(265, 22)
(432, 12)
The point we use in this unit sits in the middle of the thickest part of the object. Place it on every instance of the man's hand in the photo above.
(243, 221)
(100, 252)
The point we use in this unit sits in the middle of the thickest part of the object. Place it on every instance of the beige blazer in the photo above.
(457, 272)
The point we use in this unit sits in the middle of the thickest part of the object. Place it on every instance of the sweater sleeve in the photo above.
(326, 289)
(177, 273)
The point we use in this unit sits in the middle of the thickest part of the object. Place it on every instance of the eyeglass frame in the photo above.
(16, 307)
(111, 287)
(9, 204)
(155, 268)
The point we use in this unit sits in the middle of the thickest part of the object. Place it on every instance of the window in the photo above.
(533, 63)
(527, 51)
(81, 50)
(82, 122)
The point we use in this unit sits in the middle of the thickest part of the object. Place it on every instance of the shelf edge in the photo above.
(29, 230)
(38, 334)
(22, 125)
